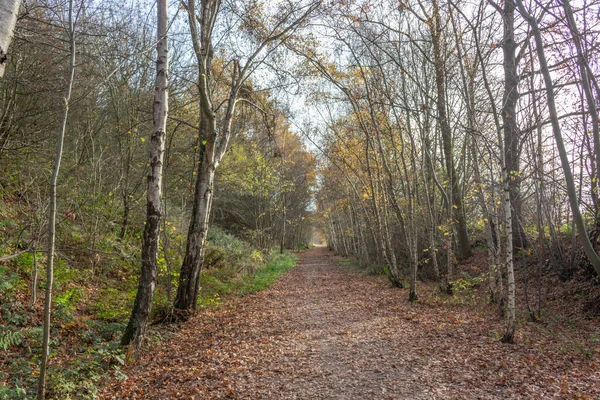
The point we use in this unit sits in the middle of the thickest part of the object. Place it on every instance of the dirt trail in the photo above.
(324, 331)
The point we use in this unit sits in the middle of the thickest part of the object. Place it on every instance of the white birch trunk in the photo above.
(136, 328)
(8, 18)
(510, 273)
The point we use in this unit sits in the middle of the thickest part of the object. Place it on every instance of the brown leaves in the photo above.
(324, 332)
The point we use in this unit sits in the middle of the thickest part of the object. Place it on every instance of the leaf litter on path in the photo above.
(323, 332)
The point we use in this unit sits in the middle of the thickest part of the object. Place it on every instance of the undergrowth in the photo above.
(92, 305)
(219, 283)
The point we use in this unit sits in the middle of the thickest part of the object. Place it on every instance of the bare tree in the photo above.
(52, 216)
(437, 36)
(215, 129)
(136, 328)
(510, 98)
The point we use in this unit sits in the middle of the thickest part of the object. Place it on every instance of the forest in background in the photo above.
(452, 125)
(413, 133)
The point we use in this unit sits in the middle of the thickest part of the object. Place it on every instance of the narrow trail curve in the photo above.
(326, 332)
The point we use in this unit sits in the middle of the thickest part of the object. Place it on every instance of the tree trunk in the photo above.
(414, 258)
(213, 146)
(512, 135)
(189, 276)
(138, 321)
(510, 274)
(282, 241)
(440, 81)
(52, 218)
(125, 218)
(8, 18)
(34, 278)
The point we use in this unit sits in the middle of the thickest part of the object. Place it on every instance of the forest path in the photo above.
(326, 331)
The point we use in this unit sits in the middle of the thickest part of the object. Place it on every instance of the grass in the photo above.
(354, 266)
(223, 282)
(350, 262)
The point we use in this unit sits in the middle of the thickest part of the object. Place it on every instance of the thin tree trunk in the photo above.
(510, 274)
(282, 241)
(136, 329)
(512, 136)
(440, 80)
(34, 279)
(509, 157)
(211, 152)
(213, 146)
(494, 225)
(52, 218)
(125, 217)
(539, 184)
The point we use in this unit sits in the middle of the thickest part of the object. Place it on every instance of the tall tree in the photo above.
(512, 133)
(150, 243)
(437, 36)
(52, 216)
(215, 128)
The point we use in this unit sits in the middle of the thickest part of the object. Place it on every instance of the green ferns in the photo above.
(9, 338)
(225, 251)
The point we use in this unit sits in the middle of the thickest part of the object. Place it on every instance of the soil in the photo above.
(328, 331)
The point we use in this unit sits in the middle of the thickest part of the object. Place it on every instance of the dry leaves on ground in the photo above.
(324, 331)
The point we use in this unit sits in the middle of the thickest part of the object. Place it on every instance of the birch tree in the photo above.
(215, 128)
(8, 19)
(136, 328)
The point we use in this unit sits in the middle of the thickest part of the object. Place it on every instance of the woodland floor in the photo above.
(327, 331)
